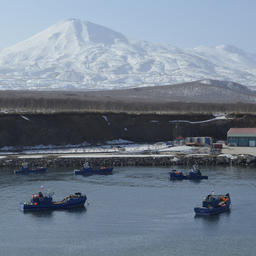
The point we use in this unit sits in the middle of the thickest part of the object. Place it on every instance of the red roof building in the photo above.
(242, 137)
(242, 132)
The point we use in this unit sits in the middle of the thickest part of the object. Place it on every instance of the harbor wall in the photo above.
(115, 161)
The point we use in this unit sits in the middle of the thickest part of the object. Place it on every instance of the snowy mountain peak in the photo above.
(86, 31)
(67, 35)
(75, 54)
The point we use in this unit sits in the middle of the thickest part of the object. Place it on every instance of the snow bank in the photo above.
(228, 156)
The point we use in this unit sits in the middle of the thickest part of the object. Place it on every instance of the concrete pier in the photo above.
(77, 160)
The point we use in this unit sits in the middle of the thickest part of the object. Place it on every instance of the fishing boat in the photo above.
(87, 170)
(176, 175)
(26, 170)
(40, 202)
(214, 204)
(194, 174)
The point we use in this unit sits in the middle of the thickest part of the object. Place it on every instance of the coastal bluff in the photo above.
(60, 129)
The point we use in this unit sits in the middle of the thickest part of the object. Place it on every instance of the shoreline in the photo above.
(115, 160)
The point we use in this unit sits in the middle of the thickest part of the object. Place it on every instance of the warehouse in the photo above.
(244, 137)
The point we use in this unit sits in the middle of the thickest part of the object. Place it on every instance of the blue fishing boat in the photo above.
(26, 170)
(40, 202)
(88, 171)
(176, 175)
(214, 204)
(194, 174)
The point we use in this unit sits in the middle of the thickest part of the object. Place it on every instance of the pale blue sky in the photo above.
(181, 23)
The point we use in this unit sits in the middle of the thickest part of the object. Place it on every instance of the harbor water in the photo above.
(135, 211)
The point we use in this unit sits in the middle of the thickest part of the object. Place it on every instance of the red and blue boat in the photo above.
(176, 175)
(214, 204)
(40, 202)
(26, 170)
(194, 174)
(88, 171)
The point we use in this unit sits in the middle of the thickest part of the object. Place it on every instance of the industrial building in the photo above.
(198, 141)
(243, 137)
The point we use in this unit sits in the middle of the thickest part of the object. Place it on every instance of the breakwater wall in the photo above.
(149, 160)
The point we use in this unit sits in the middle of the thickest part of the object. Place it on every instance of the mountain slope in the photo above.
(81, 55)
(205, 91)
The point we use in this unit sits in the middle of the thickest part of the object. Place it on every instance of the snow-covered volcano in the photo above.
(73, 54)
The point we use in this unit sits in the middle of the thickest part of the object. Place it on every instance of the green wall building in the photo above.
(242, 137)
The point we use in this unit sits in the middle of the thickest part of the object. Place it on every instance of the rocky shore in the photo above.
(75, 161)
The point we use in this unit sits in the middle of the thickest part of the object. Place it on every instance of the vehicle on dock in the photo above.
(87, 170)
(194, 174)
(214, 204)
(25, 169)
(40, 202)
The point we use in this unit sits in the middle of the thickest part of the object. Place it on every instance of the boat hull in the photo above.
(70, 204)
(29, 171)
(204, 211)
(91, 171)
(194, 177)
(174, 176)
(177, 177)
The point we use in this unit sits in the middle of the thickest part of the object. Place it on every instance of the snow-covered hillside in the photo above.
(73, 54)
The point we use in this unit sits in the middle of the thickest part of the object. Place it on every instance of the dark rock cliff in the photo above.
(72, 128)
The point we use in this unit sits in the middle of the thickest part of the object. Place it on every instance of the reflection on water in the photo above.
(49, 213)
(212, 218)
(136, 211)
(196, 181)
(46, 214)
(79, 210)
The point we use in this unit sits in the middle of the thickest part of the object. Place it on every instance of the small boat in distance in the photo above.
(194, 174)
(40, 202)
(176, 175)
(214, 204)
(26, 170)
(87, 170)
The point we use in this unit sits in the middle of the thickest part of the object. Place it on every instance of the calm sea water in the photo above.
(136, 211)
